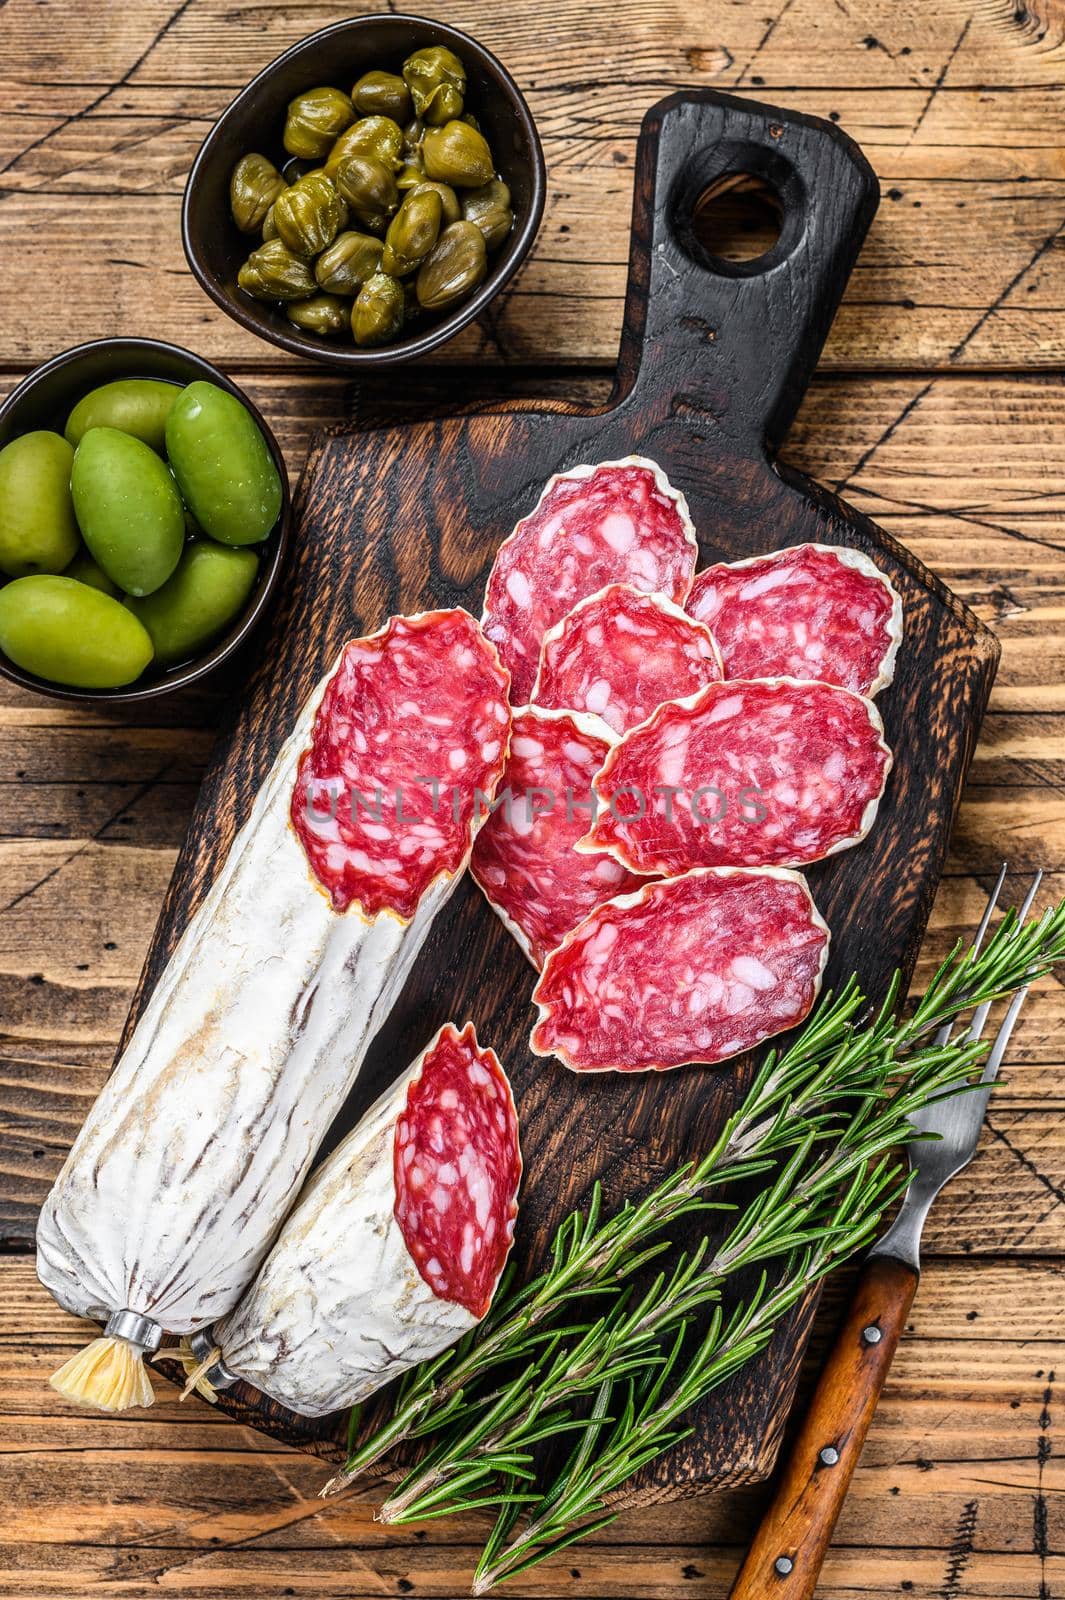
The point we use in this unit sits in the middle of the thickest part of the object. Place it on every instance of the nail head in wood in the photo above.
(829, 1456)
(872, 1334)
(783, 1565)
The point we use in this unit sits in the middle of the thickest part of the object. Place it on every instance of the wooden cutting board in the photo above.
(715, 358)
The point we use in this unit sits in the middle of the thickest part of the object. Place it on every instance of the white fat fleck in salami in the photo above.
(811, 611)
(621, 653)
(619, 522)
(758, 772)
(524, 859)
(396, 1245)
(259, 1024)
(692, 969)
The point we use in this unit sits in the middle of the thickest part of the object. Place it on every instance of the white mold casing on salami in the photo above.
(340, 1306)
(188, 1161)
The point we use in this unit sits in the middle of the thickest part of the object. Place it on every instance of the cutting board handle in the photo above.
(739, 339)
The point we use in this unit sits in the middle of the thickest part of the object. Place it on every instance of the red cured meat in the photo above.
(696, 968)
(457, 1166)
(524, 858)
(410, 736)
(814, 611)
(620, 522)
(621, 653)
(762, 772)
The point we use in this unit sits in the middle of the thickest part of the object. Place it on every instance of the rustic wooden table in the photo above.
(939, 409)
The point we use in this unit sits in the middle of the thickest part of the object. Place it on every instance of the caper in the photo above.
(315, 120)
(449, 200)
(369, 189)
(413, 134)
(349, 261)
(307, 216)
(437, 82)
(269, 226)
(489, 208)
(411, 172)
(377, 314)
(322, 313)
(457, 154)
(379, 137)
(253, 187)
(382, 94)
(273, 272)
(455, 266)
(412, 233)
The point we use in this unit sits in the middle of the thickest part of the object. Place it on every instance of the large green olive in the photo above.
(38, 531)
(322, 313)
(412, 233)
(210, 587)
(72, 634)
(459, 155)
(454, 268)
(228, 477)
(437, 82)
(349, 261)
(307, 216)
(85, 570)
(133, 405)
(449, 200)
(377, 314)
(253, 187)
(369, 189)
(382, 94)
(274, 272)
(315, 120)
(379, 137)
(489, 208)
(128, 508)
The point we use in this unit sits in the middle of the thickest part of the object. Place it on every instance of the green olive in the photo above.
(133, 405)
(38, 531)
(449, 200)
(69, 633)
(412, 233)
(307, 216)
(369, 189)
(437, 82)
(128, 508)
(459, 155)
(85, 570)
(274, 272)
(378, 137)
(382, 94)
(322, 313)
(349, 261)
(209, 589)
(489, 208)
(377, 314)
(455, 267)
(253, 187)
(227, 474)
(315, 120)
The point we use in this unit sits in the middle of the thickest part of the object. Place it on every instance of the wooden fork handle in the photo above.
(784, 1562)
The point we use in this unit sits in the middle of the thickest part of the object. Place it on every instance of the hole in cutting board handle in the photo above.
(738, 217)
(738, 210)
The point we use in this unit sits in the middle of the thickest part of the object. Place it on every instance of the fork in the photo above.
(785, 1558)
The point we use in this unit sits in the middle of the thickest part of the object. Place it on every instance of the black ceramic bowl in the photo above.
(45, 399)
(215, 247)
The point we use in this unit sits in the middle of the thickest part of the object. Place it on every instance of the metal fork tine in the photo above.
(943, 1036)
(980, 1015)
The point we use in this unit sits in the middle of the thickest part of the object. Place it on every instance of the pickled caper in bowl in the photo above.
(489, 208)
(308, 215)
(274, 272)
(457, 154)
(322, 313)
(377, 314)
(253, 187)
(412, 232)
(350, 260)
(437, 82)
(315, 120)
(379, 137)
(369, 189)
(382, 94)
(454, 267)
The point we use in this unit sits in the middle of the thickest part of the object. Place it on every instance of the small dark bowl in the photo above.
(44, 400)
(215, 247)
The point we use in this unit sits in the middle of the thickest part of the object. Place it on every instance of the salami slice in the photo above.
(756, 772)
(621, 653)
(396, 1245)
(524, 858)
(812, 611)
(619, 522)
(692, 969)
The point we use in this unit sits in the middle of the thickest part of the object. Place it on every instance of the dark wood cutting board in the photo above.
(714, 360)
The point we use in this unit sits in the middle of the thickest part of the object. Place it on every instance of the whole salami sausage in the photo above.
(619, 522)
(757, 772)
(191, 1156)
(621, 653)
(811, 611)
(394, 1249)
(524, 859)
(692, 969)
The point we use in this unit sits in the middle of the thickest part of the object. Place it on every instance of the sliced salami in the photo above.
(812, 611)
(692, 969)
(396, 1245)
(524, 858)
(412, 728)
(621, 653)
(619, 522)
(756, 772)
